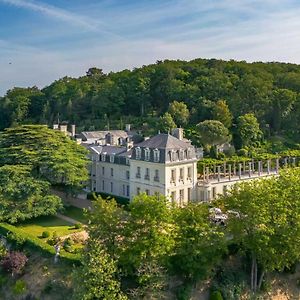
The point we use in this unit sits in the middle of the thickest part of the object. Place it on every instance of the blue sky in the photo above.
(41, 41)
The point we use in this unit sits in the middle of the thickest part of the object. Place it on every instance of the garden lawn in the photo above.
(75, 213)
(52, 224)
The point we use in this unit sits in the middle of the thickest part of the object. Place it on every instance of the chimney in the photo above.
(129, 145)
(127, 127)
(73, 130)
(109, 139)
(55, 126)
(63, 128)
(178, 133)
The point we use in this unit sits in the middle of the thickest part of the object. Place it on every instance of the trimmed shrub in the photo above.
(242, 152)
(19, 287)
(45, 234)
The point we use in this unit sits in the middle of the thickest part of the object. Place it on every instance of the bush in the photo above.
(16, 239)
(215, 295)
(45, 234)
(19, 287)
(14, 262)
(242, 152)
(78, 226)
(3, 250)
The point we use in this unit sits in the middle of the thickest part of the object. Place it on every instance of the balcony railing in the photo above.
(138, 175)
(147, 177)
(156, 178)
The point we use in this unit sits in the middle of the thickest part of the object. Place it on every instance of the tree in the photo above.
(248, 129)
(199, 244)
(23, 197)
(213, 133)
(179, 112)
(97, 278)
(50, 154)
(222, 113)
(166, 123)
(14, 262)
(282, 103)
(268, 222)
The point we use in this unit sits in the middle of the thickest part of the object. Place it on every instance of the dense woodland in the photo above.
(271, 91)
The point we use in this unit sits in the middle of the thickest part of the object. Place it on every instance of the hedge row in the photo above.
(35, 244)
(120, 200)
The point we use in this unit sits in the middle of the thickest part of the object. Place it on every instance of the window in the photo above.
(147, 192)
(127, 175)
(189, 172)
(189, 195)
(102, 185)
(156, 155)
(112, 158)
(147, 154)
(202, 195)
(181, 154)
(173, 196)
(208, 195)
(138, 172)
(138, 153)
(181, 174)
(103, 156)
(124, 189)
(170, 155)
(127, 190)
(111, 172)
(214, 192)
(147, 174)
(103, 171)
(156, 177)
(189, 153)
(181, 196)
(111, 187)
(173, 175)
(138, 191)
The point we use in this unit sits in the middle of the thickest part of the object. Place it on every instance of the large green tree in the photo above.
(98, 277)
(51, 154)
(24, 197)
(199, 244)
(166, 123)
(222, 113)
(248, 130)
(212, 133)
(268, 222)
(179, 113)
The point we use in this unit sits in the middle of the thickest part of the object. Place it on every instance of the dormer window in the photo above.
(103, 156)
(181, 154)
(138, 153)
(112, 158)
(189, 153)
(147, 154)
(156, 155)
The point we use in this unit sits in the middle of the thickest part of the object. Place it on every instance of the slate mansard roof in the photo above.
(169, 149)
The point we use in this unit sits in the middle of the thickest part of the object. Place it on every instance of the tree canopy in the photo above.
(50, 154)
(213, 132)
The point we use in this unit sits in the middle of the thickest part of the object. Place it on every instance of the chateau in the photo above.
(164, 164)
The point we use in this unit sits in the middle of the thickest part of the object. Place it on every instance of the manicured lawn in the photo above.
(47, 223)
(75, 213)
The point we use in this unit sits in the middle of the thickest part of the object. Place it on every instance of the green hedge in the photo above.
(36, 244)
(120, 200)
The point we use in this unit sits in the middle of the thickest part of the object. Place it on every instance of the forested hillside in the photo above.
(269, 90)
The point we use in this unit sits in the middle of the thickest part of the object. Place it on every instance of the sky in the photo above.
(42, 41)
